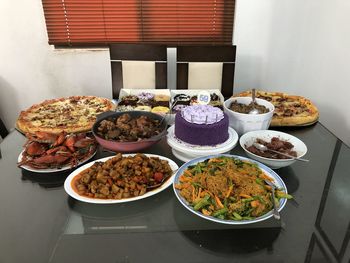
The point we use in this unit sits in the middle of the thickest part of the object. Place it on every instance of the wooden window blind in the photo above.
(100, 22)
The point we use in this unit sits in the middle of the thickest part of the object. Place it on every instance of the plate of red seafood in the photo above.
(49, 153)
(121, 178)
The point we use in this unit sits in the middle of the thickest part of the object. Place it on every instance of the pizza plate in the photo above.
(70, 191)
(53, 170)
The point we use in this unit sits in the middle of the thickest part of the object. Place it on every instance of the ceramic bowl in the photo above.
(249, 138)
(243, 122)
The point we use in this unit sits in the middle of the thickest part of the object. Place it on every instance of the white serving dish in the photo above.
(270, 173)
(249, 138)
(242, 122)
(70, 191)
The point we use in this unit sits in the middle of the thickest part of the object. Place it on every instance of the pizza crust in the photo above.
(290, 110)
(72, 114)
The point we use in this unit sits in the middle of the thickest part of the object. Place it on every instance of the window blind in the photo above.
(94, 22)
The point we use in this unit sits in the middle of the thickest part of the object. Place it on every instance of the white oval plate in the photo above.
(198, 150)
(277, 181)
(69, 190)
(52, 170)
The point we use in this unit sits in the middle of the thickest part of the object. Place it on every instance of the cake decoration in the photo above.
(202, 114)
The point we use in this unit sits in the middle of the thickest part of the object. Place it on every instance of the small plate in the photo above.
(69, 190)
(277, 181)
(52, 170)
(190, 149)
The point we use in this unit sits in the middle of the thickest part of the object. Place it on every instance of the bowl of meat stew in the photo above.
(274, 140)
(238, 108)
(129, 131)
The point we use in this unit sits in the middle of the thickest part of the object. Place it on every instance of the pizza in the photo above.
(71, 114)
(290, 110)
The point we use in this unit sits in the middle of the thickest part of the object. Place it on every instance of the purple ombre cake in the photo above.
(202, 125)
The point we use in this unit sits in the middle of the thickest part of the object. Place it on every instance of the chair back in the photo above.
(3, 130)
(220, 59)
(125, 70)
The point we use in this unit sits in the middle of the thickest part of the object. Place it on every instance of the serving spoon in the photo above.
(254, 110)
(275, 212)
(263, 148)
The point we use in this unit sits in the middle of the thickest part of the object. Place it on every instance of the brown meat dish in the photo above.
(275, 144)
(122, 177)
(244, 108)
(128, 129)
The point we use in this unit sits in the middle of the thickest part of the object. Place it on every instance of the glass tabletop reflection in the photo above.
(41, 223)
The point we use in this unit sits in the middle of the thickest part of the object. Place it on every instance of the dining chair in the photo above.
(212, 66)
(3, 130)
(139, 66)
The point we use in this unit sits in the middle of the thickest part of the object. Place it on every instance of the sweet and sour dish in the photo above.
(228, 188)
(122, 177)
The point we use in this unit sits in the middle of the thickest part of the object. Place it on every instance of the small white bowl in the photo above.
(249, 138)
(243, 122)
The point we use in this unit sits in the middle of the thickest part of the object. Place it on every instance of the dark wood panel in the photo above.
(3, 130)
(206, 53)
(117, 78)
(228, 73)
(161, 75)
(138, 52)
(182, 76)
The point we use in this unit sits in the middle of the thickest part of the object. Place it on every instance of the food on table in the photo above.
(244, 108)
(161, 100)
(47, 150)
(227, 188)
(143, 108)
(122, 108)
(180, 101)
(71, 114)
(160, 109)
(290, 110)
(202, 125)
(122, 177)
(275, 144)
(127, 129)
(130, 100)
(145, 96)
(144, 101)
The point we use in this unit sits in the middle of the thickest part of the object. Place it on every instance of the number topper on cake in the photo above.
(203, 97)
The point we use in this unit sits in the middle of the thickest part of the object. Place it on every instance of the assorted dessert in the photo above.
(227, 188)
(246, 108)
(122, 177)
(145, 101)
(290, 110)
(202, 125)
(276, 144)
(126, 128)
(47, 150)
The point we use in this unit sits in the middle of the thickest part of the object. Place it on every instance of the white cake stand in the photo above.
(185, 151)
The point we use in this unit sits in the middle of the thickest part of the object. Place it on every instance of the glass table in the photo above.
(41, 223)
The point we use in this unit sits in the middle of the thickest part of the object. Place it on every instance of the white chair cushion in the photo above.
(139, 74)
(204, 75)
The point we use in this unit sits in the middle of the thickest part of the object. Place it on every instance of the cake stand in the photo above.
(185, 151)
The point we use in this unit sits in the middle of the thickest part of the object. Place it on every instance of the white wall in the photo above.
(31, 70)
(300, 47)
